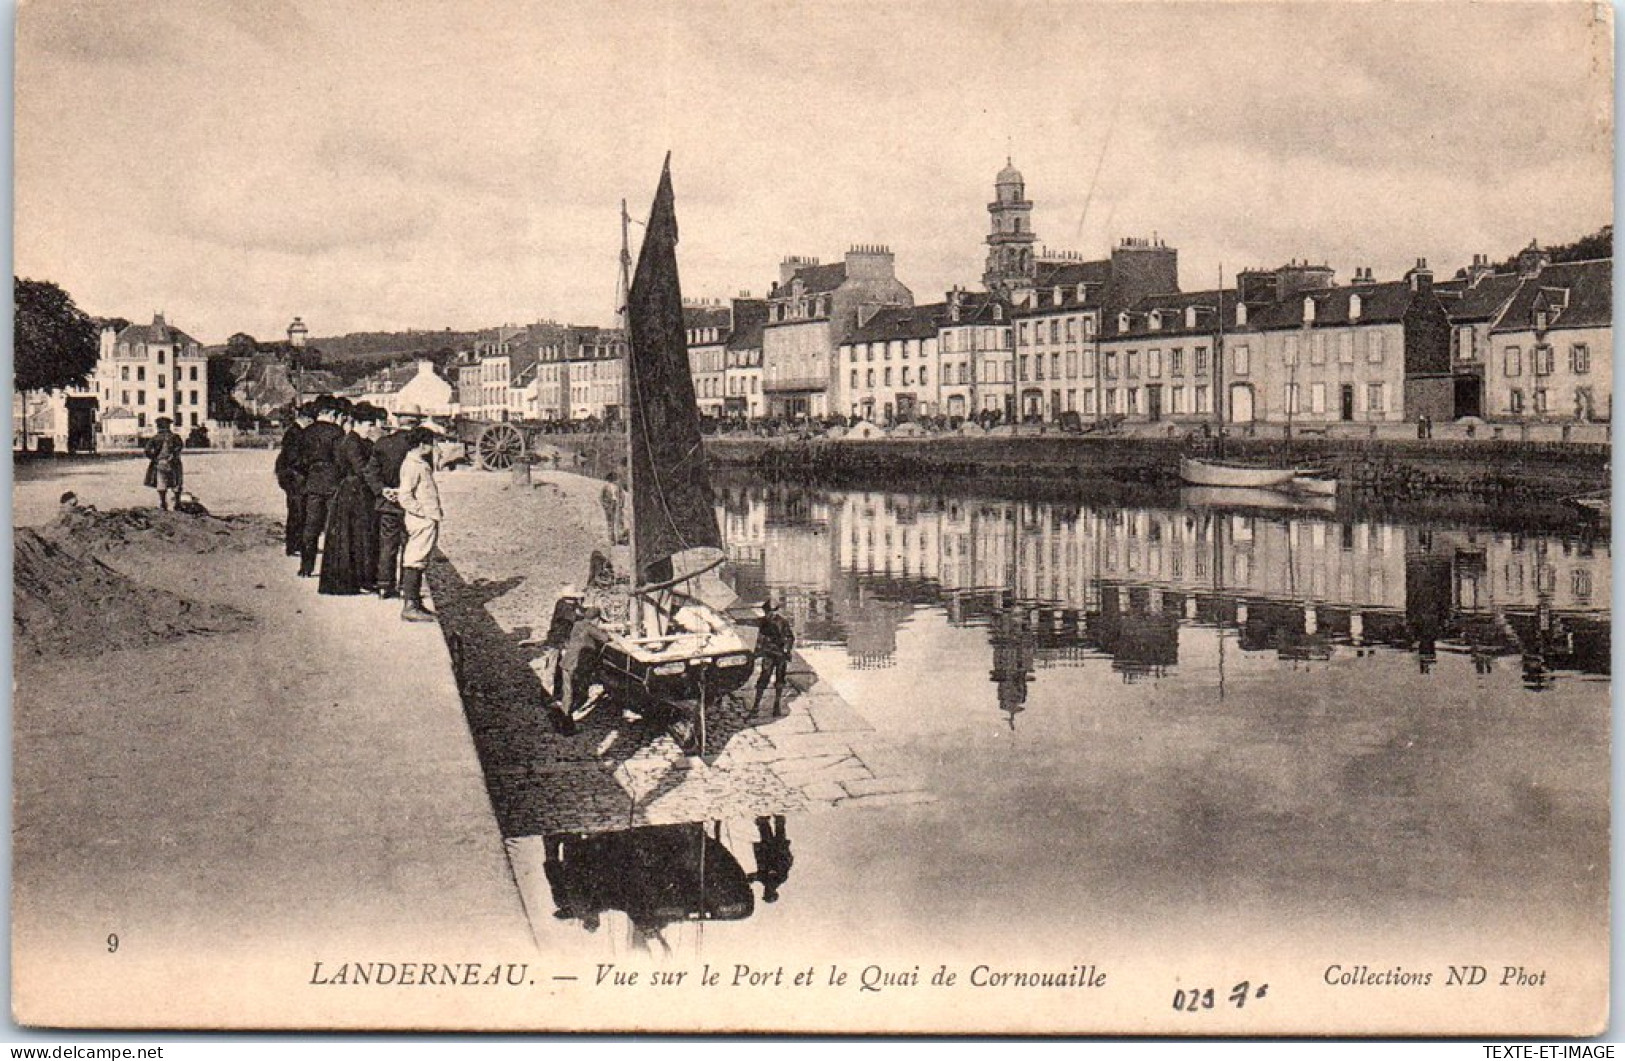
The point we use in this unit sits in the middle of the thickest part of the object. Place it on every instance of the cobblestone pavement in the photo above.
(495, 592)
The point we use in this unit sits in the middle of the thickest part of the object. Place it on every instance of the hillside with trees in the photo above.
(1600, 244)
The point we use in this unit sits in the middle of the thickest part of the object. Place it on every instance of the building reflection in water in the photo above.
(658, 876)
(1060, 585)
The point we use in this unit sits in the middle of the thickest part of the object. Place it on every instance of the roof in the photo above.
(1380, 303)
(901, 322)
(157, 332)
(976, 307)
(1587, 288)
(1466, 302)
(816, 279)
(750, 314)
(1170, 309)
(1068, 276)
(707, 317)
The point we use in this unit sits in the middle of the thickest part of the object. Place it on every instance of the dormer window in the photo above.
(1056, 295)
(1190, 316)
(1241, 313)
(1122, 323)
(998, 312)
(1540, 320)
(1354, 307)
(1156, 320)
(1309, 311)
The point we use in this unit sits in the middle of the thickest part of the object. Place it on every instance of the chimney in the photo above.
(1420, 278)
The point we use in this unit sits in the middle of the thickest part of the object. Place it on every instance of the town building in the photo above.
(742, 395)
(582, 375)
(1551, 351)
(1474, 300)
(147, 371)
(976, 355)
(812, 310)
(889, 369)
(407, 386)
(1152, 361)
(707, 324)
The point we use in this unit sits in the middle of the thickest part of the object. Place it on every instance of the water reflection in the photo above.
(1058, 585)
(655, 876)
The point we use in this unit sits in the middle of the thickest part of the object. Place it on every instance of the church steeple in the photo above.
(1010, 243)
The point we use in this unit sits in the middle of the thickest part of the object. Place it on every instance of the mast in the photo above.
(1218, 366)
(629, 514)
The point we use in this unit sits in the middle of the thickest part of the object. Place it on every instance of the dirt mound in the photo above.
(66, 603)
(86, 529)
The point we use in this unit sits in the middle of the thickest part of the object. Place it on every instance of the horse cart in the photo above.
(496, 446)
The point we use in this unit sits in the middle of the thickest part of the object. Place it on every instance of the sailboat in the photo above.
(677, 645)
(1204, 471)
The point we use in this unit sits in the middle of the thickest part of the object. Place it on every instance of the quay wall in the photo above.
(1488, 472)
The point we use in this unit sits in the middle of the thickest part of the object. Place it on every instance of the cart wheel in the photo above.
(499, 446)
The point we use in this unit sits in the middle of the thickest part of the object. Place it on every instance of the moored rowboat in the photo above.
(1198, 472)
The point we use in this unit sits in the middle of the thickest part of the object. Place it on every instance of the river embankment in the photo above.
(1496, 472)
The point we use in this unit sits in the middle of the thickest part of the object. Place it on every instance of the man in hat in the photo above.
(775, 640)
(419, 499)
(567, 611)
(163, 452)
(383, 473)
(291, 479)
(318, 453)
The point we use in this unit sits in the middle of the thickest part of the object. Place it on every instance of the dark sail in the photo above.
(672, 504)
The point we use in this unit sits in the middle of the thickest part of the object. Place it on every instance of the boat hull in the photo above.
(1214, 473)
(1314, 485)
(1246, 498)
(705, 676)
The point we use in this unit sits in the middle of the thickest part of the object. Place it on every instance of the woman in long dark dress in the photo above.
(351, 550)
(164, 472)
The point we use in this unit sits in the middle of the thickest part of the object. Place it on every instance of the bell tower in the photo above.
(1010, 262)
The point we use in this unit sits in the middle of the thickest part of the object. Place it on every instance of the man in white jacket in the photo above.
(420, 499)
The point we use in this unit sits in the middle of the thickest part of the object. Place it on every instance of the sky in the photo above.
(423, 164)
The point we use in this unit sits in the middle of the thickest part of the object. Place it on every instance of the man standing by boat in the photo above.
(775, 641)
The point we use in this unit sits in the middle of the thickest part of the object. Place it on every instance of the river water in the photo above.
(1202, 724)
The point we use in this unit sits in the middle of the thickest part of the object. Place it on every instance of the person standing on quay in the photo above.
(318, 448)
(291, 479)
(775, 641)
(163, 452)
(419, 499)
(352, 551)
(614, 501)
(383, 475)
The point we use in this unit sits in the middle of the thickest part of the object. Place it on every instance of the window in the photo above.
(1373, 398)
(1579, 359)
(1178, 400)
(922, 375)
(1089, 363)
(1153, 364)
(1131, 364)
(141, 373)
(141, 397)
(854, 356)
(1200, 367)
(1543, 359)
(888, 350)
(160, 356)
(1540, 402)
(124, 397)
(1375, 348)
(1055, 366)
(1024, 333)
(854, 379)
(1290, 348)
(1317, 398)
(1134, 401)
(1055, 329)
(869, 378)
(1292, 399)
(161, 402)
(1071, 329)
(888, 377)
(868, 351)
(192, 399)
(1071, 400)
(194, 419)
(1513, 365)
(1088, 401)
(160, 381)
(1176, 362)
(124, 373)
(1111, 364)
(905, 376)
(1202, 405)
(140, 419)
(1111, 400)
(1241, 359)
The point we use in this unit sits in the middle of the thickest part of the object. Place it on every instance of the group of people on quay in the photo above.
(362, 498)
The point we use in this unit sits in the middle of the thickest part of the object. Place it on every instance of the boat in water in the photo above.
(675, 648)
(1253, 498)
(1315, 482)
(1196, 471)
(1597, 505)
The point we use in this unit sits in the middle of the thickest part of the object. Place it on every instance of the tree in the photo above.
(55, 342)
